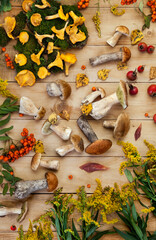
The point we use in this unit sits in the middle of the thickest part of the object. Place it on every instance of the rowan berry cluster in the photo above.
(152, 5)
(82, 4)
(127, 2)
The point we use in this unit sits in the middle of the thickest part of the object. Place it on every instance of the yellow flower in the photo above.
(4, 91)
(86, 109)
(117, 12)
(148, 210)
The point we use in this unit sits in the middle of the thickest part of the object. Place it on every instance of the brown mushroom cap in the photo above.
(40, 114)
(65, 89)
(126, 54)
(98, 147)
(52, 181)
(122, 94)
(122, 126)
(35, 162)
(122, 29)
(77, 142)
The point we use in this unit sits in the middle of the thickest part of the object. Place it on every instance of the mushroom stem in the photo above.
(51, 164)
(61, 131)
(9, 210)
(62, 151)
(109, 124)
(106, 58)
(114, 39)
(92, 96)
(86, 129)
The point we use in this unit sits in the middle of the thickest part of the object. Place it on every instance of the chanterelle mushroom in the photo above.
(69, 60)
(60, 88)
(26, 5)
(24, 188)
(51, 47)
(44, 5)
(57, 62)
(77, 20)
(23, 37)
(60, 14)
(75, 35)
(100, 108)
(37, 161)
(123, 55)
(25, 78)
(97, 146)
(21, 59)
(43, 73)
(9, 25)
(121, 126)
(119, 31)
(41, 37)
(36, 57)
(76, 144)
(27, 107)
(60, 32)
(36, 19)
(19, 209)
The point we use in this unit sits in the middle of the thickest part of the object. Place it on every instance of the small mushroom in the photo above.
(76, 144)
(69, 60)
(21, 59)
(60, 14)
(25, 78)
(121, 126)
(92, 96)
(75, 35)
(51, 47)
(26, 5)
(57, 62)
(60, 32)
(50, 164)
(60, 88)
(100, 108)
(44, 5)
(119, 31)
(24, 188)
(78, 20)
(9, 25)
(36, 57)
(41, 37)
(19, 209)
(43, 73)
(123, 55)
(23, 37)
(97, 146)
(36, 19)
(27, 107)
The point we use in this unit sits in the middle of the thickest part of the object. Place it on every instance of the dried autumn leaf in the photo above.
(121, 66)
(136, 36)
(103, 74)
(38, 147)
(92, 167)
(137, 133)
(81, 80)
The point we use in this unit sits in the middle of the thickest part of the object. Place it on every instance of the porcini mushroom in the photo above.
(121, 126)
(92, 96)
(97, 146)
(19, 209)
(44, 5)
(123, 55)
(21, 59)
(60, 14)
(51, 47)
(60, 32)
(69, 60)
(60, 88)
(100, 108)
(27, 107)
(57, 62)
(41, 37)
(36, 57)
(24, 188)
(119, 31)
(76, 144)
(37, 161)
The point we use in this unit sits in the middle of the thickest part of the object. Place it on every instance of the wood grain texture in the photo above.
(70, 164)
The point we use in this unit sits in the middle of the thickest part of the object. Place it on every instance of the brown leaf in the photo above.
(92, 167)
(137, 133)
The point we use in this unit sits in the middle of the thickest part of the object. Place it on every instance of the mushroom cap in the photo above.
(46, 128)
(65, 89)
(35, 162)
(122, 94)
(98, 147)
(126, 54)
(77, 142)
(122, 126)
(122, 29)
(52, 181)
(40, 114)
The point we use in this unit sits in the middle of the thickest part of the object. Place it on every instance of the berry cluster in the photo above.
(25, 146)
(9, 63)
(82, 4)
(127, 2)
(152, 5)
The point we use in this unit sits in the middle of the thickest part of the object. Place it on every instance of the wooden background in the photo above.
(138, 105)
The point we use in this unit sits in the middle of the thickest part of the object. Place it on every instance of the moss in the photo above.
(20, 23)
(4, 39)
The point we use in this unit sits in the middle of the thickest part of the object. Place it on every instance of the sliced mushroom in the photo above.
(97, 146)
(119, 31)
(76, 144)
(41, 37)
(121, 126)
(37, 161)
(123, 55)
(92, 96)
(27, 107)
(24, 188)
(60, 88)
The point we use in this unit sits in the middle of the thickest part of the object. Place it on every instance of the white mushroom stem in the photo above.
(114, 39)
(51, 164)
(53, 90)
(24, 188)
(63, 150)
(61, 131)
(109, 124)
(10, 210)
(106, 58)
(92, 96)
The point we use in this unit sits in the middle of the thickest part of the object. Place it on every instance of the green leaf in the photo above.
(137, 229)
(69, 237)
(125, 236)
(141, 6)
(91, 231)
(7, 176)
(7, 167)
(128, 175)
(5, 189)
(1, 179)
(134, 213)
(5, 121)
(6, 102)
(57, 225)
(100, 234)
(11, 190)
(74, 229)
(4, 138)
(147, 20)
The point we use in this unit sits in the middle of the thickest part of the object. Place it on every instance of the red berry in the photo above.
(133, 90)
(141, 68)
(154, 118)
(152, 90)
(132, 75)
(150, 49)
(13, 227)
(142, 47)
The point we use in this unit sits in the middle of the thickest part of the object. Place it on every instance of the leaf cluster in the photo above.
(5, 5)
(147, 18)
